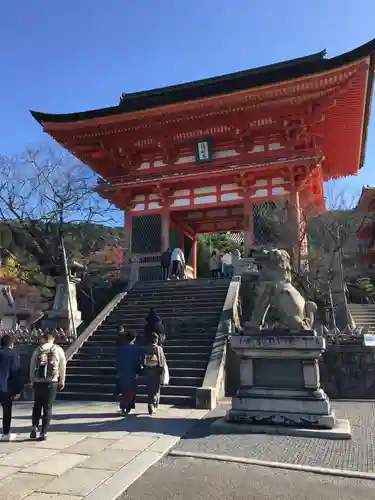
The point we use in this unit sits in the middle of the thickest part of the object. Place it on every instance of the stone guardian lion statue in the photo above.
(276, 289)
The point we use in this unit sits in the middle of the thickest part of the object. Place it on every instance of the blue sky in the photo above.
(65, 56)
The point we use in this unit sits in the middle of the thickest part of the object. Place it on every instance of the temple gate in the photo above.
(214, 155)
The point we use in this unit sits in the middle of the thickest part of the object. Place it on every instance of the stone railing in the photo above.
(96, 322)
(213, 386)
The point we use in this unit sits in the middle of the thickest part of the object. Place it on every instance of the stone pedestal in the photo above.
(279, 382)
(60, 316)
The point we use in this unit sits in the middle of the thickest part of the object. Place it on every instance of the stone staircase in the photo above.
(191, 311)
(364, 316)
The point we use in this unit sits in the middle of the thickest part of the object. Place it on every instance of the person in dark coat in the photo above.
(129, 365)
(165, 262)
(10, 383)
(121, 334)
(153, 324)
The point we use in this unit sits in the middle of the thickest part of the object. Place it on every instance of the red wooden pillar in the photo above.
(248, 226)
(128, 222)
(195, 260)
(298, 230)
(165, 229)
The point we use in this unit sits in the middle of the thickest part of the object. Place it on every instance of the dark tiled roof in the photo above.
(210, 87)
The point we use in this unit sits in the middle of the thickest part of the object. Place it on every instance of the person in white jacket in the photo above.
(47, 374)
(178, 263)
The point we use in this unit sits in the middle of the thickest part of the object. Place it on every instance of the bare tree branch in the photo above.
(45, 193)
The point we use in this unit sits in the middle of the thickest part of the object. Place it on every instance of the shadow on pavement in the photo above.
(132, 423)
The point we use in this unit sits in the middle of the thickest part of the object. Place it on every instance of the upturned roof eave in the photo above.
(232, 82)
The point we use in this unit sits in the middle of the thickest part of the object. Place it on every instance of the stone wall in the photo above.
(347, 371)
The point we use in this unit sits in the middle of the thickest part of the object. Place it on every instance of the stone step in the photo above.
(367, 314)
(170, 342)
(173, 400)
(111, 370)
(182, 353)
(109, 386)
(180, 284)
(196, 347)
(364, 320)
(180, 359)
(362, 306)
(107, 347)
(191, 313)
(165, 308)
(92, 364)
(111, 379)
(160, 295)
(207, 314)
(171, 337)
(163, 295)
(182, 330)
(155, 302)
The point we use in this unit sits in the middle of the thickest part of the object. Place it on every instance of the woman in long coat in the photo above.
(128, 364)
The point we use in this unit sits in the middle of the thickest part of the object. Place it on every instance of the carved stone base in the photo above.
(280, 383)
(283, 418)
(58, 320)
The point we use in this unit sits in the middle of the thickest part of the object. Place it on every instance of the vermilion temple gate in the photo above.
(204, 156)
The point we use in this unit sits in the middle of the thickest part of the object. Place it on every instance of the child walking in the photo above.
(154, 365)
(128, 367)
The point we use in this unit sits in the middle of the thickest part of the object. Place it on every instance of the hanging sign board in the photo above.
(203, 151)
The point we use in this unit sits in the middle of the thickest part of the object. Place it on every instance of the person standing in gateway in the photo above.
(47, 374)
(178, 263)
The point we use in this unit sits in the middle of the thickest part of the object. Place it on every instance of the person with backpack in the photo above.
(47, 374)
(154, 366)
(10, 383)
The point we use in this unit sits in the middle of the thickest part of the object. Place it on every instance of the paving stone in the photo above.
(51, 496)
(7, 471)
(122, 479)
(115, 435)
(13, 446)
(57, 464)
(109, 459)
(133, 443)
(90, 446)
(61, 440)
(154, 435)
(21, 484)
(26, 456)
(164, 444)
(77, 481)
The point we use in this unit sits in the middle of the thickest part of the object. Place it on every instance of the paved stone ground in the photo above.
(357, 454)
(92, 452)
(186, 479)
